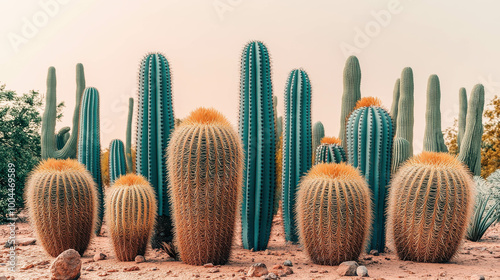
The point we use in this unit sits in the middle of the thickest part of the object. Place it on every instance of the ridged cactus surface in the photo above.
(205, 162)
(334, 213)
(257, 133)
(128, 137)
(430, 206)
(89, 145)
(433, 135)
(470, 148)
(369, 142)
(155, 122)
(297, 145)
(48, 140)
(117, 164)
(462, 115)
(62, 137)
(318, 132)
(130, 215)
(395, 103)
(400, 153)
(405, 118)
(62, 202)
(351, 95)
(330, 151)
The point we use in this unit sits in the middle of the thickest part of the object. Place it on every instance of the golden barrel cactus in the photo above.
(333, 213)
(61, 197)
(205, 165)
(430, 206)
(130, 215)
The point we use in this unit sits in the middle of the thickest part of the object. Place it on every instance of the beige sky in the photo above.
(457, 40)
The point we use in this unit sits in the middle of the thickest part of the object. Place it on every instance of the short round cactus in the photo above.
(205, 164)
(130, 215)
(330, 151)
(430, 206)
(61, 197)
(334, 213)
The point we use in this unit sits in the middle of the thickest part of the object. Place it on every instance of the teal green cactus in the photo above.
(395, 103)
(48, 139)
(369, 141)
(405, 118)
(351, 95)
(433, 135)
(117, 164)
(279, 126)
(470, 148)
(89, 145)
(297, 145)
(462, 115)
(155, 122)
(330, 151)
(318, 132)
(62, 137)
(128, 137)
(257, 132)
(400, 153)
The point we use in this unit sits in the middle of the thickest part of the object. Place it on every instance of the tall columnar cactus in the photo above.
(89, 145)
(279, 126)
(128, 137)
(462, 115)
(62, 201)
(205, 163)
(62, 137)
(405, 118)
(117, 165)
(395, 103)
(433, 136)
(318, 132)
(351, 95)
(369, 142)
(256, 129)
(330, 151)
(155, 121)
(297, 144)
(430, 206)
(400, 153)
(470, 148)
(48, 141)
(130, 215)
(333, 213)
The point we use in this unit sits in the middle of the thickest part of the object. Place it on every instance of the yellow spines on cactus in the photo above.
(334, 213)
(61, 197)
(331, 141)
(205, 164)
(429, 207)
(130, 215)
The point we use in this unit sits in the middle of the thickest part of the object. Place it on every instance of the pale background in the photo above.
(457, 40)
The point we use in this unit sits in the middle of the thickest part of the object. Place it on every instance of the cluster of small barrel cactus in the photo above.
(191, 173)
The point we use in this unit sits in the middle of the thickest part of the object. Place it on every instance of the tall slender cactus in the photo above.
(318, 133)
(395, 103)
(433, 136)
(351, 95)
(405, 119)
(462, 115)
(128, 137)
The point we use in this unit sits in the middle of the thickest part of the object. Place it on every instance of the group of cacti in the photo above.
(190, 176)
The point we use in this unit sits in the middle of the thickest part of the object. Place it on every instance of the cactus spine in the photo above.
(128, 137)
(89, 145)
(395, 103)
(62, 203)
(257, 132)
(405, 119)
(155, 121)
(130, 215)
(297, 144)
(433, 136)
(400, 153)
(333, 232)
(369, 142)
(462, 115)
(351, 95)
(470, 148)
(117, 163)
(430, 206)
(205, 162)
(318, 133)
(62, 137)
(48, 141)
(330, 151)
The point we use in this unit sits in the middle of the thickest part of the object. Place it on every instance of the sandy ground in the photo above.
(474, 258)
